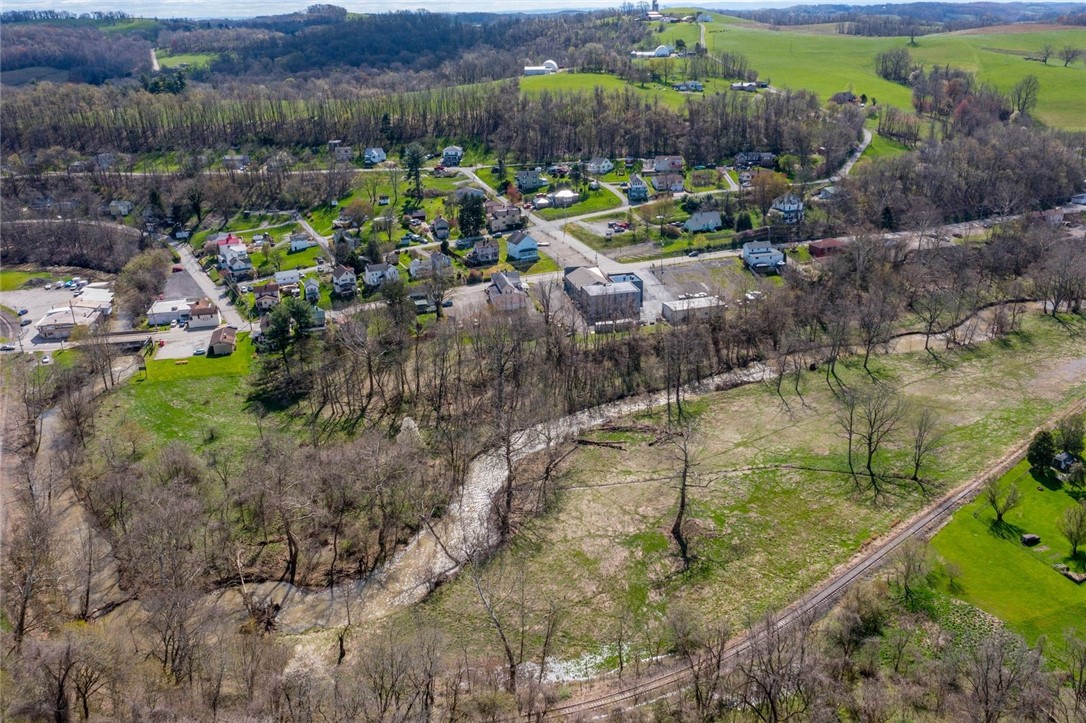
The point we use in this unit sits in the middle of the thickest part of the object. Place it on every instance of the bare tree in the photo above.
(683, 440)
(1002, 499)
(1004, 678)
(775, 679)
(1047, 51)
(928, 438)
(1069, 54)
(911, 567)
(1073, 526)
(29, 578)
(1072, 662)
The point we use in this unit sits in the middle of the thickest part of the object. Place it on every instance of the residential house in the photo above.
(464, 191)
(745, 86)
(844, 97)
(452, 156)
(344, 281)
(373, 156)
(828, 193)
(669, 183)
(638, 192)
(203, 314)
(703, 221)
(311, 289)
(223, 341)
(483, 253)
(762, 256)
(167, 312)
(440, 228)
(340, 152)
(600, 166)
(521, 247)
(300, 242)
(120, 208)
(1080, 199)
(317, 318)
(755, 158)
(1063, 461)
(504, 218)
(826, 247)
(235, 161)
(789, 208)
(689, 86)
(438, 264)
(288, 278)
(265, 297)
(601, 298)
(530, 180)
(682, 310)
(668, 164)
(234, 261)
(377, 274)
(507, 292)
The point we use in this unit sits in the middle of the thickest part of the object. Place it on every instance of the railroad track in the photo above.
(816, 603)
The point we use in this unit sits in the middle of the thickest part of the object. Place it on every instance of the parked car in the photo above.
(177, 268)
(7, 347)
(25, 322)
(199, 351)
(447, 303)
(694, 253)
(48, 287)
(23, 312)
(47, 359)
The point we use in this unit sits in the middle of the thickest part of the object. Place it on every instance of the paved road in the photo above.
(819, 601)
(217, 294)
(154, 61)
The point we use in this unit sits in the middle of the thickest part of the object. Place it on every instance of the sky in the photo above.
(249, 8)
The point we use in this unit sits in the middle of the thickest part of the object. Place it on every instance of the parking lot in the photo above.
(37, 302)
(181, 343)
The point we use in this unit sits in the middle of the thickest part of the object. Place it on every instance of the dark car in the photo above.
(23, 312)
(447, 303)
(25, 322)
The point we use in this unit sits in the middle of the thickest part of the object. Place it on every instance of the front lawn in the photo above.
(11, 280)
(601, 200)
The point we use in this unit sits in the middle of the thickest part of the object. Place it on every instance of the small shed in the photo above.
(1029, 540)
(1063, 461)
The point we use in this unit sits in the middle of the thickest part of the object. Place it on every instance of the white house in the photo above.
(374, 155)
(504, 218)
(288, 278)
(311, 289)
(168, 311)
(638, 190)
(377, 274)
(438, 264)
(564, 198)
(521, 247)
(789, 207)
(600, 166)
(507, 292)
(203, 314)
(762, 256)
(120, 208)
(452, 155)
(703, 221)
(440, 227)
(344, 281)
(300, 242)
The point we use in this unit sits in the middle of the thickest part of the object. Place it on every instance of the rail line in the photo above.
(817, 602)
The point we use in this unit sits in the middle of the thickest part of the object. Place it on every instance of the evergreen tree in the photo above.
(1041, 450)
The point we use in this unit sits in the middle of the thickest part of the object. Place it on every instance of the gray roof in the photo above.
(611, 289)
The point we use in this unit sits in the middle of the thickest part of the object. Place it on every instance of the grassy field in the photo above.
(11, 279)
(201, 402)
(762, 533)
(585, 82)
(194, 60)
(601, 200)
(1001, 576)
(881, 147)
(828, 63)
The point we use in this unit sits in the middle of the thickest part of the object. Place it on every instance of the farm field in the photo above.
(828, 63)
(1001, 576)
(193, 60)
(586, 82)
(774, 509)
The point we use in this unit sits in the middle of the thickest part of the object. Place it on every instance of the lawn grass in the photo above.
(1001, 576)
(762, 533)
(828, 63)
(601, 200)
(882, 147)
(11, 279)
(194, 60)
(587, 82)
(290, 260)
(186, 401)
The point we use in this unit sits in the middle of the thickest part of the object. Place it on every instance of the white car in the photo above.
(47, 359)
